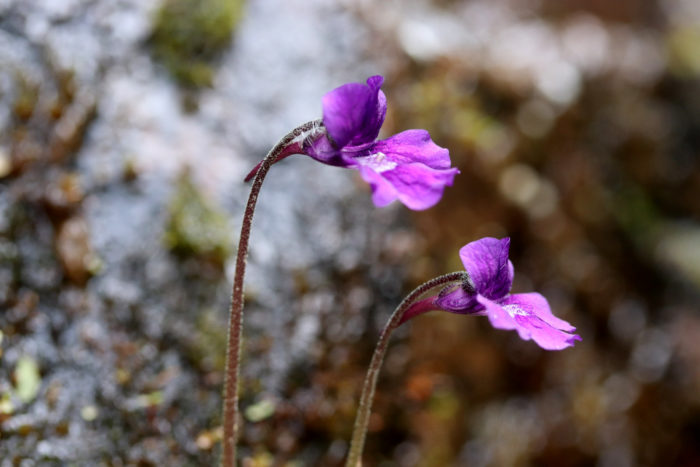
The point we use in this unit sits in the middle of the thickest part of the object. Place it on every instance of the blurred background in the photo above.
(126, 128)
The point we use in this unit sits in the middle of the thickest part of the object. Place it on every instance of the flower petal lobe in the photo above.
(486, 261)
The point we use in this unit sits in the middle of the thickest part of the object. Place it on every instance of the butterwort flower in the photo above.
(488, 293)
(408, 166)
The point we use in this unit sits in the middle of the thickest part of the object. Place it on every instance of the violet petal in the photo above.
(415, 185)
(499, 318)
(323, 150)
(486, 261)
(544, 335)
(520, 314)
(383, 192)
(353, 113)
(413, 146)
(538, 305)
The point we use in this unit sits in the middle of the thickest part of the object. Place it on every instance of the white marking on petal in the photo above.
(514, 310)
(377, 162)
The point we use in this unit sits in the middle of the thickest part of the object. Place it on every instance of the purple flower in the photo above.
(491, 273)
(407, 166)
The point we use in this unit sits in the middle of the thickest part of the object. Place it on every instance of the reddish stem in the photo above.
(365, 409)
(290, 144)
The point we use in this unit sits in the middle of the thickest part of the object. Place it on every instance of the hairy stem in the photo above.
(365, 409)
(290, 144)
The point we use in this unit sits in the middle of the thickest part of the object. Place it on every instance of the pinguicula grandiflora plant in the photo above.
(482, 289)
(407, 166)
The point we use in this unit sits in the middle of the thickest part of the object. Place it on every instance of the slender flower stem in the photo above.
(290, 144)
(365, 409)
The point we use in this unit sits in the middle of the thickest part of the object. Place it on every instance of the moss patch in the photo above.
(195, 226)
(189, 35)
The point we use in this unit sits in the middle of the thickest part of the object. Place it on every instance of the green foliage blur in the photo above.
(189, 35)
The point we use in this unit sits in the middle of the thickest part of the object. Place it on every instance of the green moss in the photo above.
(208, 345)
(27, 379)
(260, 410)
(683, 50)
(188, 35)
(6, 406)
(195, 226)
(444, 404)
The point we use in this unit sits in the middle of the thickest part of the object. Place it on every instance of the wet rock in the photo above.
(132, 356)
